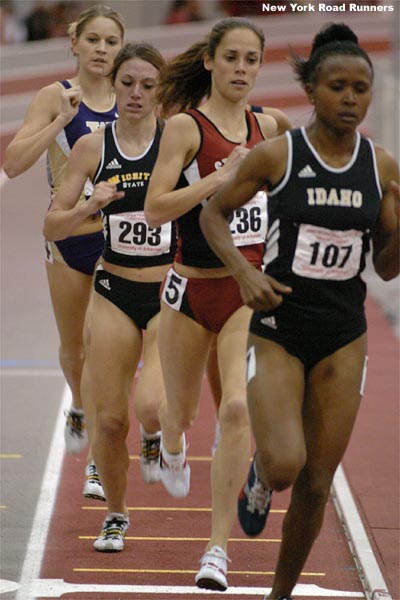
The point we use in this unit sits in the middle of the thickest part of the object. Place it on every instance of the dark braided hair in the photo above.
(335, 38)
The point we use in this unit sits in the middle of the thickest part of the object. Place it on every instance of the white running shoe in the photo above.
(213, 570)
(111, 538)
(175, 472)
(150, 455)
(93, 488)
(217, 437)
(75, 434)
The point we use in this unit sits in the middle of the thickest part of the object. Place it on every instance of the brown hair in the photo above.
(76, 28)
(184, 81)
(144, 51)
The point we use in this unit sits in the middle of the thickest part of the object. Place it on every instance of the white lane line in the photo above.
(44, 508)
(8, 586)
(3, 178)
(31, 373)
(54, 588)
(370, 573)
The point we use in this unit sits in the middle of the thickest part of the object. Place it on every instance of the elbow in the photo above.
(387, 271)
(153, 220)
(387, 267)
(47, 236)
(47, 232)
(13, 164)
(203, 219)
(388, 275)
(10, 170)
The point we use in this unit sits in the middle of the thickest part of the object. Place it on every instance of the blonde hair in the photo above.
(76, 28)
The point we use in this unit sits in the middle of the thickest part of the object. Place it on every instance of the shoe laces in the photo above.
(92, 473)
(258, 497)
(115, 526)
(150, 449)
(215, 555)
(174, 464)
(75, 422)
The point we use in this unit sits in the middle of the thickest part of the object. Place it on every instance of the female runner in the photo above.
(199, 151)
(331, 190)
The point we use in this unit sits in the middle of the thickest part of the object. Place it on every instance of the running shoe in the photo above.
(254, 503)
(217, 437)
(280, 598)
(75, 434)
(93, 488)
(111, 538)
(175, 472)
(213, 570)
(150, 456)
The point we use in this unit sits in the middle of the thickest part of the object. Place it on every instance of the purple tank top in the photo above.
(86, 120)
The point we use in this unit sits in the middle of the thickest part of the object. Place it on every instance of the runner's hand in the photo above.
(261, 292)
(70, 101)
(103, 194)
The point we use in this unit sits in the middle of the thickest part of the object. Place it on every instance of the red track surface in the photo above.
(155, 553)
(154, 561)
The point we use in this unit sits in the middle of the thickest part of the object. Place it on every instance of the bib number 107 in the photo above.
(330, 255)
(327, 254)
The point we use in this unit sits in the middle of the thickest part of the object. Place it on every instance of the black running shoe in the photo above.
(280, 598)
(254, 503)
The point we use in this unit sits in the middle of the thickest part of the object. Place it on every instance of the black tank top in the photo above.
(320, 221)
(129, 241)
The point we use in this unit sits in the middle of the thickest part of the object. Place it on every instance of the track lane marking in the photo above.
(44, 508)
(182, 539)
(168, 508)
(10, 456)
(178, 571)
(54, 588)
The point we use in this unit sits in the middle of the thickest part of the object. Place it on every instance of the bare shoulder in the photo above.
(388, 168)
(270, 157)
(182, 123)
(276, 146)
(182, 133)
(282, 120)
(51, 92)
(268, 124)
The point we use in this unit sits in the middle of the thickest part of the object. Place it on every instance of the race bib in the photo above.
(130, 234)
(249, 223)
(174, 289)
(327, 254)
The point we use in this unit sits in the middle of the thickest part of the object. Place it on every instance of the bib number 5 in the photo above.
(174, 289)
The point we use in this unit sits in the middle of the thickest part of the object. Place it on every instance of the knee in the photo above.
(72, 354)
(314, 489)
(282, 468)
(111, 427)
(147, 413)
(180, 419)
(87, 334)
(186, 419)
(234, 414)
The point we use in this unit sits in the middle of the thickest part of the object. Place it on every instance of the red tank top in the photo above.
(249, 223)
